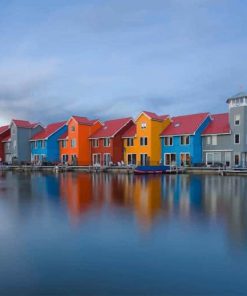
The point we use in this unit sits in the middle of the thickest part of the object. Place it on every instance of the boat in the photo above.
(159, 169)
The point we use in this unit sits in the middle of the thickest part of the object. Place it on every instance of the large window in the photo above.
(170, 159)
(185, 159)
(168, 141)
(72, 128)
(143, 141)
(237, 139)
(132, 159)
(106, 142)
(130, 142)
(144, 159)
(143, 125)
(185, 140)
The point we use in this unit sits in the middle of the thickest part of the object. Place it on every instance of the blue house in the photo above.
(181, 142)
(45, 145)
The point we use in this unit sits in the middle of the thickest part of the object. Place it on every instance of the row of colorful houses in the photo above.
(150, 139)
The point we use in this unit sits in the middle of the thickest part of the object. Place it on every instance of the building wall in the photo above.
(2, 145)
(23, 142)
(83, 147)
(194, 148)
(152, 132)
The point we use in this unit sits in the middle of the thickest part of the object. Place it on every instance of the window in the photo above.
(72, 128)
(144, 159)
(73, 143)
(64, 143)
(95, 143)
(43, 144)
(185, 140)
(143, 125)
(237, 139)
(237, 119)
(106, 142)
(236, 159)
(214, 140)
(185, 159)
(143, 141)
(132, 159)
(130, 142)
(168, 141)
(35, 144)
(170, 159)
(208, 140)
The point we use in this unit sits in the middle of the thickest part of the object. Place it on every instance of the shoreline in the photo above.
(122, 170)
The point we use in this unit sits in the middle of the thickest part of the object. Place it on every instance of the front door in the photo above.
(144, 159)
(107, 159)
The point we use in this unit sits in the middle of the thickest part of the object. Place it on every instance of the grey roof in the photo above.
(237, 96)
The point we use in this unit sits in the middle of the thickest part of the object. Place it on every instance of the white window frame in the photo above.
(130, 142)
(143, 141)
(95, 143)
(169, 141)
(208, 140)
(73, 143)
(214, 140)
(106, 142)
(184, 137)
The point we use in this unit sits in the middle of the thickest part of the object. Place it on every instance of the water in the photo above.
(122, 235)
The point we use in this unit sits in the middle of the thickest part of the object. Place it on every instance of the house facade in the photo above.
(107, 143)
(225, 139)
(17, 146)
(74, 145)
(142, 142)
(181, 141)
(45, 145)
(4, 134)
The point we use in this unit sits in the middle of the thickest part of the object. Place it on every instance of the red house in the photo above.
(107, 143)
(4, 134)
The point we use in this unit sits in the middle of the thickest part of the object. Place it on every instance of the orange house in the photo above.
(74, 145)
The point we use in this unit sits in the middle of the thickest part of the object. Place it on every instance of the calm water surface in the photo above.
(122, 235)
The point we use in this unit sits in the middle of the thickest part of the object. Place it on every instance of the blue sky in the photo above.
(107, 59)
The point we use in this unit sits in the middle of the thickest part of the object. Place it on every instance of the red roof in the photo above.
(184, 125)
(6, 139)
(63, 136)
(84, 120)
(218, 125)
(111, 127)
(24, 123)
(130, 133)
(3, 128)
(49, 130)
(154, 116)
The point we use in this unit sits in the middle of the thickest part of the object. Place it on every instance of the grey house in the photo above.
(225, 138)
(17, 146)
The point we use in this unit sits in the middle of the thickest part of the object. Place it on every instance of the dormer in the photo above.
(238, 100)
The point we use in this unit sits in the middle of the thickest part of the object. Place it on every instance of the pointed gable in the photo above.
(218, 125)
(111, 127)
(185, 124)
(48, 131)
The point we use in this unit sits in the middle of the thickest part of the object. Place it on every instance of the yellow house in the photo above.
(142, 145)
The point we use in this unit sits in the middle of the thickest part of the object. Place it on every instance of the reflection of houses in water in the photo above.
(181, 193)
(226, 197)
(147, 198)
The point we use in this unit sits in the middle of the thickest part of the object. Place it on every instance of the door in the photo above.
(144, 159)
(170, 159)
(209, 158)
(185, 159)
(107, 159)
(132, 159)
(96, 159)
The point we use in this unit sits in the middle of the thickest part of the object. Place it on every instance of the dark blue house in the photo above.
(45, 145)
(181, 141)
